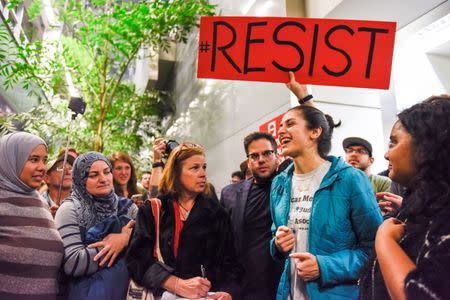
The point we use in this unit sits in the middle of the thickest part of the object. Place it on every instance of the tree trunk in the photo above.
(98, 141)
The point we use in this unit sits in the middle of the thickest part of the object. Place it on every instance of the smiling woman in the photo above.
(124, 174)
(31, 249)
(32, 172)
(324, 212)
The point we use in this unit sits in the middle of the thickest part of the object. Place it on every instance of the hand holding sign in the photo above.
(299, 90)
(320, 51)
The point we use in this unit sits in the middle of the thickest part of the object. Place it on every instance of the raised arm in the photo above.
(158, 150)
(300, 91)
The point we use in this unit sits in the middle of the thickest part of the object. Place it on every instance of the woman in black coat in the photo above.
(195, 234)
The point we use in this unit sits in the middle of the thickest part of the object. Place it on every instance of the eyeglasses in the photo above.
(60, 169)
(357, 151)
(265, 154)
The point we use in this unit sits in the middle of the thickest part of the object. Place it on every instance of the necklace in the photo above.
(184, 212)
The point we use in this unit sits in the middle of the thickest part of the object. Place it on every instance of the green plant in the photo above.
(34, 10)
(101, 40)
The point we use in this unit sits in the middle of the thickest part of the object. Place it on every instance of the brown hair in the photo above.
(315, 118)
(132, 182)
(73, 150)
(170, 184)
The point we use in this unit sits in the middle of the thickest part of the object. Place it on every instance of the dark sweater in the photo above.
(427, 243)
(206, 239)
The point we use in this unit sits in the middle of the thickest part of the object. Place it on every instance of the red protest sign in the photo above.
(318, 51)
(272, 128)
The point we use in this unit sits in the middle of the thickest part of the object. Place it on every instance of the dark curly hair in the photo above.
(428, 123)
(315, 118)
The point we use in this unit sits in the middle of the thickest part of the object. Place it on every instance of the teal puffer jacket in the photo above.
(342, 226)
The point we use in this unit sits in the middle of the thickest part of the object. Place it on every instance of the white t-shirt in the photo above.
(304, 187)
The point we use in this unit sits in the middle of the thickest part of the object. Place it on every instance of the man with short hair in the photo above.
(53, 181)
(145, 180)
(236, 177)
(245, 169)
(248, 203)
(358, 153)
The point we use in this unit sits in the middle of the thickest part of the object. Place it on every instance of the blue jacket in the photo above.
(342, 226)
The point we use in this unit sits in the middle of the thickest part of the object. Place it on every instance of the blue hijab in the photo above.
(91, 209)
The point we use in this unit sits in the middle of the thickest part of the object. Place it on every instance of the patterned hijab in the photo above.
(15, 148)
(91, 209)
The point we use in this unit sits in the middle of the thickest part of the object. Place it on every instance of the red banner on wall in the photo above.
(319, 51)
(272, 128)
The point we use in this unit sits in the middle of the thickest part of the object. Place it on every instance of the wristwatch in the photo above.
(306, 99)
(158, 164)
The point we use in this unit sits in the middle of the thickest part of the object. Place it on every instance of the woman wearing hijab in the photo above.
(95, 228)
(31, 249)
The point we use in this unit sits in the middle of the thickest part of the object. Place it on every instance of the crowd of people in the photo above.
(313, 226)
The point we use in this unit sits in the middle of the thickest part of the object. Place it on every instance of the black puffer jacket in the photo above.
(206, 239)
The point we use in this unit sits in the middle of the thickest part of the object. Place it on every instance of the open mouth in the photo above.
(284, 140)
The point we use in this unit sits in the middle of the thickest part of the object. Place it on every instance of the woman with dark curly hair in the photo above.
(413, 260)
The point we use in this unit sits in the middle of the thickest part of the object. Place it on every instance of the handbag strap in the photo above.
(156, 208)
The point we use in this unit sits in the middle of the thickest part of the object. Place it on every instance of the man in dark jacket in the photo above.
(248, 204)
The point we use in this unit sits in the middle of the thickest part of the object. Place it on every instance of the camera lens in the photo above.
(170, 145)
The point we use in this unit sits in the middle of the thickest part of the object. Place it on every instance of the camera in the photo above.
(170, 145)
(77, 106)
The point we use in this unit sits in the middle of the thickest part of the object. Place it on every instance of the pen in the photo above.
(202, 269)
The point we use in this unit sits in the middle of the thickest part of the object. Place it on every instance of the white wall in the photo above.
(441, 67)
(422, 58)
(362, 122)
(219, 113)
(421, 66)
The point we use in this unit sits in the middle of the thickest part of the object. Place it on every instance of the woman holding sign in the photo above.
(324, 212)
(413, 249)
